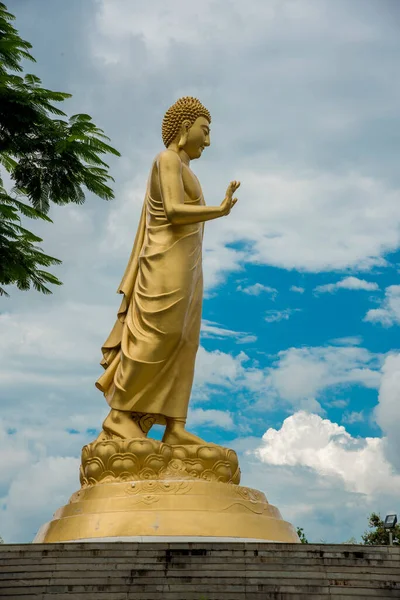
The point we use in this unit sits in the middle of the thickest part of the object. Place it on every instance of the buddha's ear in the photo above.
(184, 133)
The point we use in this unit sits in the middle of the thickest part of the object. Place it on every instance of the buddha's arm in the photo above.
(172, 192)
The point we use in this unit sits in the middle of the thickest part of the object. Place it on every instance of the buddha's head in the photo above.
(186, 125)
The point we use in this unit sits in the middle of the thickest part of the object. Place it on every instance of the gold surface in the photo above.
(191, 508)
(132, 485)
(150, 354)
(143, 487)
(145, 459)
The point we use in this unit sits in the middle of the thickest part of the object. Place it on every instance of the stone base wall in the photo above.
(198, 571)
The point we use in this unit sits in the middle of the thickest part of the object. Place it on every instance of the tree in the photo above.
(301, 534)
(352, 541)
(379, 536)
(49, 158)
(20, 258)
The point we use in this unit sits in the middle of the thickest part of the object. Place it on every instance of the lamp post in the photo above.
(390, 524)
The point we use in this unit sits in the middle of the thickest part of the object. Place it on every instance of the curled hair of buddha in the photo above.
(184, 109)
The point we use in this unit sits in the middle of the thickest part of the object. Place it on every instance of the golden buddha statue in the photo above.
(150, 354)
(134, 487)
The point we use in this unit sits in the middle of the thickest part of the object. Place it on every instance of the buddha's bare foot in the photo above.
(119, 423)
(175, 434)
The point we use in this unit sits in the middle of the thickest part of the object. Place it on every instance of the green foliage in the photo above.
(12, 48)
(300, 533)
(49, 158)
(351, 541)
(21, 261)
(379, 536)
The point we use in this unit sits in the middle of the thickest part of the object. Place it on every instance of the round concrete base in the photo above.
(172, 510)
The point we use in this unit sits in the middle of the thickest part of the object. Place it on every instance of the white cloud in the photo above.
(14, 455)
(274, 316)
(297, 289)
(219, 260)
(297, 379)
(40, 456)
(211, 417)
(341, 403)
(247, 339)
(295, 229)
(352, 417)
(50, 481)
(300, 375)
(186, 24)
(324, 480)
(212, 330)
(306, 217)
(388, 313)
(387, 412)
(53, 333)
(52, 348)
(123, 217)
(258, 288)
(308, 440)
(348, 283)
(219, 368)
(352, 340)
(321, 505)
(219, 371)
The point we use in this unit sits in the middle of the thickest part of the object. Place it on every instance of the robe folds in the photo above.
(149, 356)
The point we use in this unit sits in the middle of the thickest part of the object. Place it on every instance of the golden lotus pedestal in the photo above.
(145, 489)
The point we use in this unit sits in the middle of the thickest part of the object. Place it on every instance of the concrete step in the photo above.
(131, 571)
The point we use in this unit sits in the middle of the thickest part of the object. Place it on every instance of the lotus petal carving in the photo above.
(147, 459)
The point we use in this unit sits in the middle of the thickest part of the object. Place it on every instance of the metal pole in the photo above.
(390, 538)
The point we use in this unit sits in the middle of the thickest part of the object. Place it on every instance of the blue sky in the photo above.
(299, 365)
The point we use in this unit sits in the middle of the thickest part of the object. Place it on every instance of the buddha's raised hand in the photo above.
(229, 201)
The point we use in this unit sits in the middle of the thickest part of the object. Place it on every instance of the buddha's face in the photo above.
(198, 137)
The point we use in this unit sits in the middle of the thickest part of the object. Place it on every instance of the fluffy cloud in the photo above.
(218, 372)
(48, 440)
(352, 340)
(258, 288)
(299, 217)
(39, 468)
(35, 493)
(324, 479)
(14, 456)
(327, 448)
(297, 289)
(387, 411)
(43, 335)
(295, 229)
(300, 375)
(388, 313)
(321, 505)
(352, 417)
(215, 331)
(311, 215)
(274, 316)
(298, 378)
(211, 417)
(348, 283)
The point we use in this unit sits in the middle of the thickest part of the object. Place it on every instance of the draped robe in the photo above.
(149, 356)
